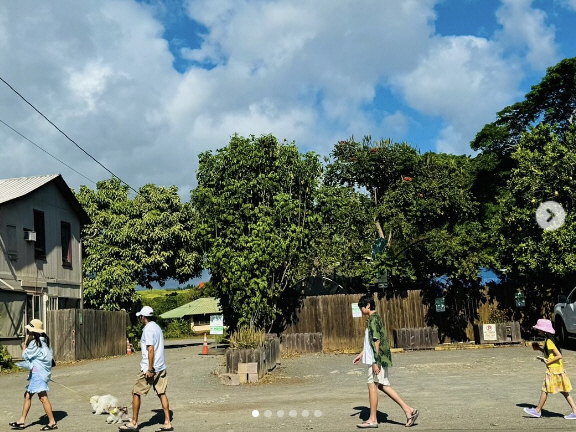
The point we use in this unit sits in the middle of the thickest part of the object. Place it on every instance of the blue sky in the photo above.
(145, 86)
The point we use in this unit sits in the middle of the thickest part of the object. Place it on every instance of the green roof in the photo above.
(204, 305)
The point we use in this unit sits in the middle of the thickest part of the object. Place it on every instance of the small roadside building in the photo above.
(198, 312)
(40, 253)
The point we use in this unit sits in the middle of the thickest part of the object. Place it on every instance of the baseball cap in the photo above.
(146, 311)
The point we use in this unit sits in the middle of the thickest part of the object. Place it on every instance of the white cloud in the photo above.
(570, 4)
(463, 80)
(525, 27)
(395, 125)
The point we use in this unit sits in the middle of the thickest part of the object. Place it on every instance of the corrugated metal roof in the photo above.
(18, 187)
(204, 305)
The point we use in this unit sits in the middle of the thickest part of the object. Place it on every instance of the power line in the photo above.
(62, 132)
(45, 151)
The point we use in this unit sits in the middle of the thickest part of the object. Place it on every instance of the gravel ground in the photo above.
(473, 389)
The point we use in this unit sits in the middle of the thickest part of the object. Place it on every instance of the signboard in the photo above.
(383, 280)
(489, 332)
(216, 324)
(356, 312)
(520, 299)
(440, 305)
(378, 247)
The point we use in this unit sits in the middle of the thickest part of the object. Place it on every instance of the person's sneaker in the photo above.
(532, 412)
(571, 416)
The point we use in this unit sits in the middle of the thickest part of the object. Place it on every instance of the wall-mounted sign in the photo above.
(489, 332)
(440, 304)
(356, 312)
(216, 324)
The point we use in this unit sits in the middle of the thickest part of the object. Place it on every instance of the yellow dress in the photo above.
(556, 379)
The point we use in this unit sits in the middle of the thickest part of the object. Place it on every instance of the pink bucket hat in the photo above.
(545, 325)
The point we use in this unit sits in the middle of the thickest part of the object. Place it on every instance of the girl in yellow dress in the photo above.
(556, 379)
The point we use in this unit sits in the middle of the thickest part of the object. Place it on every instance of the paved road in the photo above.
(471, 390)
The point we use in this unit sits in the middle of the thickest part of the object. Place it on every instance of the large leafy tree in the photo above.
(135, 241)
(546, 169)
(255, 200)
(422, 205)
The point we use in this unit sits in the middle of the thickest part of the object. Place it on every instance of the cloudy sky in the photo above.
(144, 86)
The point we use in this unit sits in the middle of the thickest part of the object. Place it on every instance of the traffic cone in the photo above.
(128, 347)
(205, 346)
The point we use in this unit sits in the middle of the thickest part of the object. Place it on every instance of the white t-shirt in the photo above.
(368, 356)
(152, 335)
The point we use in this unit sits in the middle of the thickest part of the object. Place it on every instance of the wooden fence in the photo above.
(332, 316)
(77, 334)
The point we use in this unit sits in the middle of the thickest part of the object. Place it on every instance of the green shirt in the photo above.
(376, 331)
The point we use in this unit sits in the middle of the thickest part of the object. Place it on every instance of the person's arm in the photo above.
(150, 371)
(375, 367)
(358, 357)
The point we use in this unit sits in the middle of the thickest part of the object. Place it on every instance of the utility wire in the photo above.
(62, 132)
(45, 151)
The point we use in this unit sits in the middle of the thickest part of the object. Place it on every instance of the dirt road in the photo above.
(483, 389)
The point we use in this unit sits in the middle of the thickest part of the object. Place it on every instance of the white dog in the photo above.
(103, 404)
(117, 415)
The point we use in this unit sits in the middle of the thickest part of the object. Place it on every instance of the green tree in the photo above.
(421, 204)
(135, 242)
(546, 169)
(255, 200)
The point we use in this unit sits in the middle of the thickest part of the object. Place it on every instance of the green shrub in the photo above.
(176, 328)
(5, 359)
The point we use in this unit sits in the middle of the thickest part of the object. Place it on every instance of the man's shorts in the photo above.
(159, 382)
(381, 378)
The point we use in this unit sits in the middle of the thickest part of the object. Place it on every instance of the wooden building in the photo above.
(40, 253)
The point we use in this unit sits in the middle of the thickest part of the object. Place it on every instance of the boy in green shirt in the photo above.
(377, 355)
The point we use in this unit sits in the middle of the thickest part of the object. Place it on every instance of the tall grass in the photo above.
(247, 337)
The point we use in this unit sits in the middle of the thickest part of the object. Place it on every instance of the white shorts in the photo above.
(381, 378)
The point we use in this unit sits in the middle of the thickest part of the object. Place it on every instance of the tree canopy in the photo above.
(255, 202)
(137, 241)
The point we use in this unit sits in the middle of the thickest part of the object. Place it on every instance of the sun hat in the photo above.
(35, 326)
(545, 325)
(146, 311)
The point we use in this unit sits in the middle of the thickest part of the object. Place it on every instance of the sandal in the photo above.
(16, 425)
(49, 427)
(412, 419)
(367, 425)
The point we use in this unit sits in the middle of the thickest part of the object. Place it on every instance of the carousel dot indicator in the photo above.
(255, 413)
(280, 413)
(305, 413)
(317, 413)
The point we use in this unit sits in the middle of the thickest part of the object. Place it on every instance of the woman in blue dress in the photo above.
(38, 359)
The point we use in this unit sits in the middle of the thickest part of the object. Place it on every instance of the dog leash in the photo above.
(72, 390)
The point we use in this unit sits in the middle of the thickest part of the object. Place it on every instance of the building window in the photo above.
(11, 247)
(66, 241)
(40, 243)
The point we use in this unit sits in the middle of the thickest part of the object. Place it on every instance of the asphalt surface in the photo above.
(459, 390)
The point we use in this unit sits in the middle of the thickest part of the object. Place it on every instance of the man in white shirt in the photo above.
(152, 370)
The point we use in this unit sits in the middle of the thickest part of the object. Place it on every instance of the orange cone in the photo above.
(205, 346)
(128, 347)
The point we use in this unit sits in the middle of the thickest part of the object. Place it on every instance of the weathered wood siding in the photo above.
(19, 213)
(332, 316)
(86, 334)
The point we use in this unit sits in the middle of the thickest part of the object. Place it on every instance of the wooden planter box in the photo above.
(266, 357)
(508, 332)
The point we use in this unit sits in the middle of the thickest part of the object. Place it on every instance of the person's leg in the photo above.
(570, 401)
(166, 409)
(373, 399)
(135, 408)
(542, 401)
(25, 407)
(392, 394)
(43, 396)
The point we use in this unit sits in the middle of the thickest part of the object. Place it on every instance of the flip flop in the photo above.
(412, 418)
(127, 427)
(164, 429)
(49, 427)
(367, 425)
